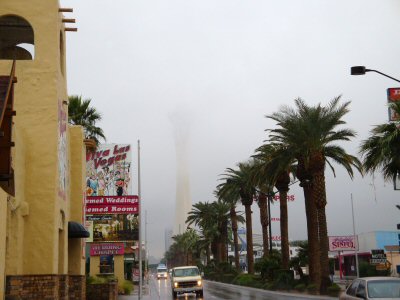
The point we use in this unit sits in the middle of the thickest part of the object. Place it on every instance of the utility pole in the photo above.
(140, 227)
(146, 258)
(355, 237)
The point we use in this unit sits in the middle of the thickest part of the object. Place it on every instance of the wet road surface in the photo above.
(161, 290)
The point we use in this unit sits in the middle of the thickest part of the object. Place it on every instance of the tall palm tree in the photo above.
(186, 242)
(275, 167)
(381, 149)
(239, 182)
(309, 133)
(259, 180)
(81, 113)
(212, 219)
(232, 199)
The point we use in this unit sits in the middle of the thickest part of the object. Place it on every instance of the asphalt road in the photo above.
(161, 290)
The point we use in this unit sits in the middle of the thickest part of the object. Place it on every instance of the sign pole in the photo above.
(140, 226)
(340, 266)
(355, 237)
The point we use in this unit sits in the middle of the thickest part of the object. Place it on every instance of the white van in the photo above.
(162, 272)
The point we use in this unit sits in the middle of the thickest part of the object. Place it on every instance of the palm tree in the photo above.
(381, 150)
(259, 180)
(185, 243)
(239, 182)
(80, 113)
(275, 167)
(232, 199)
(309, 133)
(212, 219)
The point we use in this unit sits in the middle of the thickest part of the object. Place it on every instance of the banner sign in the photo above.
(112, 205)
(378, 257)
(117, 229)
(393, 95)
(343, 243)
(108, 170)
(107, 249)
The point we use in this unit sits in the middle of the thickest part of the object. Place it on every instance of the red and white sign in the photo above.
(343, 243)
(107, 249)
(393, 96)
(112, 205)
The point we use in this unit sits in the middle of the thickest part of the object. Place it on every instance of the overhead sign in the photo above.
(343, 243)
(104, 205)
(393, 95)
(107, 249)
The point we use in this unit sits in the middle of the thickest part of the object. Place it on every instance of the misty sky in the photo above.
(217, 67)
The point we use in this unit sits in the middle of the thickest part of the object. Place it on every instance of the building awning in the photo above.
(76, 230)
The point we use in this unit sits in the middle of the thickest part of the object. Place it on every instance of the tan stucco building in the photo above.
(45, 187)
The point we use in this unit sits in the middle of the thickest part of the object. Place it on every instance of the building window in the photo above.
(16, 38)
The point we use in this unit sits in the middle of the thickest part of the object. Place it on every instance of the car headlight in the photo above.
(199, 282)
(175, 284)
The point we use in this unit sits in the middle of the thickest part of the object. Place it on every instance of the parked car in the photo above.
(375, 288)
(186, 280)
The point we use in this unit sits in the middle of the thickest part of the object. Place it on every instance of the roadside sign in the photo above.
(378, 257)
(393, 95)
(377, 261)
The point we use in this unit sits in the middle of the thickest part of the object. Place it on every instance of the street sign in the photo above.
(377, 261)
(393, 95)
(378, 257)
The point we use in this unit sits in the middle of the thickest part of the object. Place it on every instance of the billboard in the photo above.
(108, 170)
(343, 243)
(111, 205)
(106, 249)
(113, 228)
(393, 95)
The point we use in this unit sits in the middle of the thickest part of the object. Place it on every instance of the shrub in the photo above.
(244, 279)
(334, 290)
(270, 286)
(96, 280)
(300, 287)
(268, 265)
(227, 278)
(127, 287)
(312, 288)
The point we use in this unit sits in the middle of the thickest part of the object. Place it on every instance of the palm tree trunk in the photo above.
(312, 223)
(223, 241)
(208, 256)
(320, 201)
(249, 238)
(284, 228)
(235, 236)
(262, 203)
(313, 237)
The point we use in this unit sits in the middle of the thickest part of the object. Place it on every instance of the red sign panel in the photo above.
(107, 249)
(393, 96)
(343, 243)
(112, 205)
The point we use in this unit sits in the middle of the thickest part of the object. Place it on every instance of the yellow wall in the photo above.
(94, 265)
(76, 259)
(37, 217)
(119, 268)
(3, 214)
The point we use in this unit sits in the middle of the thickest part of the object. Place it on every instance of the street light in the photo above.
(361, 70)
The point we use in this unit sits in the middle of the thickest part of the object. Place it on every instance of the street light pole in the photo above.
(361, 70)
